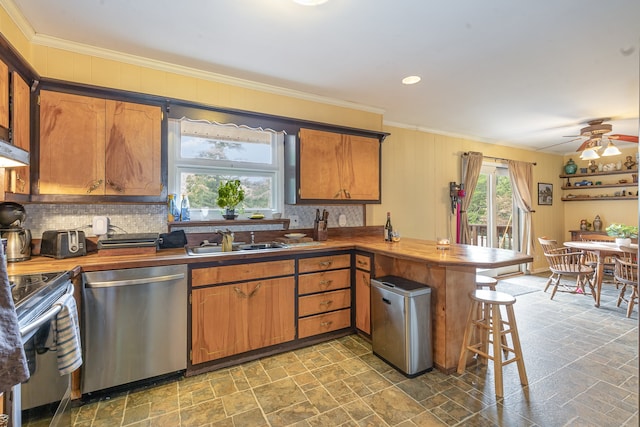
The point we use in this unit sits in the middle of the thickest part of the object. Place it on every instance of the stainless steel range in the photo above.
(38, 298)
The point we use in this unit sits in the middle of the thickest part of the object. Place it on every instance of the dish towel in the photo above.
(13, 362)
(66, 333)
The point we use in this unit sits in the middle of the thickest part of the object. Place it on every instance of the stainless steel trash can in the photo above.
(401, 324)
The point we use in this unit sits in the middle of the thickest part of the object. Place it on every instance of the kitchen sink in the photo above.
(237, 247)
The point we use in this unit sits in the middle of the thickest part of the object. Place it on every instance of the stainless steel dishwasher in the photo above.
(135, 325)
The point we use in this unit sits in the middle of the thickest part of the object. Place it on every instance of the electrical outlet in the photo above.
(294, 221)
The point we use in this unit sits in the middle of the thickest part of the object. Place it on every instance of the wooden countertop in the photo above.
(407, 248)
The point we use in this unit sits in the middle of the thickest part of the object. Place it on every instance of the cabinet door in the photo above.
(363, 301)
(361, 176)
(133, 145)
(72, 143)
(4, 95)
(232, 319)
(21, 131)
(321, 165)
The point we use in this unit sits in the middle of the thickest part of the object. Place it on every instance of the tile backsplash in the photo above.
(145, 218)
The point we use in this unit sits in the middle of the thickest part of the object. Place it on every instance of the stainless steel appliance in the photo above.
(12, 216)
(18, 244)
(45, 398)
(135, 325)
(401, 324)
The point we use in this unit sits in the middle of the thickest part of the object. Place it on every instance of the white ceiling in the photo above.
(523, 73)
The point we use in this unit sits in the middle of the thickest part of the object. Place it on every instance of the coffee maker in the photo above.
(12, 216)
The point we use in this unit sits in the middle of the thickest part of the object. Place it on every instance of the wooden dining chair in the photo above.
(554, 250)
(626, 274)
(564, 262)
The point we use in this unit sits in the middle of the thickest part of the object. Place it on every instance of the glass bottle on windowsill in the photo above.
(185, 209)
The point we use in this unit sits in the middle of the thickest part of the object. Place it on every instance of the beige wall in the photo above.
(417, 166)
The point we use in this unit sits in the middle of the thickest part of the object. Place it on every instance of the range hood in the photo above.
(12, 156)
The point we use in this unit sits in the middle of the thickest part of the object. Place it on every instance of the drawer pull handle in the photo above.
(243, 295)
(363, 263)
(326, 283)
(326, 263)
(326, 303)
(326, 324)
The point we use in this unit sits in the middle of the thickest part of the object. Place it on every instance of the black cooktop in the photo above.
(33, 294)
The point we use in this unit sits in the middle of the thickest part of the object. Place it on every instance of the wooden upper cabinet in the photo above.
(93, 146)
(72, 144)
(21, 127)
(338, 167)
(132, 159)
(4, 95)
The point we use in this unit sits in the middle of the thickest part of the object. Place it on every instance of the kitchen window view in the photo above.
(204, 154)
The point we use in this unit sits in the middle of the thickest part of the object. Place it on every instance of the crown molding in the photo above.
(48, 41)
(18, 18)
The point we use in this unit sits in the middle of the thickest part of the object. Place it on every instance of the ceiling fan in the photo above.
(595, 131)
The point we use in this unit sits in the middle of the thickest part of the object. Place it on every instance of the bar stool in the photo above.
(485, 318)
(486, 282)
(483, 282)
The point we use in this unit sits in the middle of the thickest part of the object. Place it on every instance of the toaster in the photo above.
(63, 244)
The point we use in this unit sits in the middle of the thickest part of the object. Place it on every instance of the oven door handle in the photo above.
(49, 314)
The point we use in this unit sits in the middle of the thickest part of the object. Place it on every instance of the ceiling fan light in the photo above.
(589, 154)
(611, 150)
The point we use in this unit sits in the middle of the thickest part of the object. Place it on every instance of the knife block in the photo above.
(320, 233)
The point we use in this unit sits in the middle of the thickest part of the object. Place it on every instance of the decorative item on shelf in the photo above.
(185, 209)
(583, 170)
(570, 168)
(584, 225)
(619, 165)
(629, 164)
(592, 166)
(622, 233)
(230, 195)
(635, 177)
(599, 167)
(597, 223)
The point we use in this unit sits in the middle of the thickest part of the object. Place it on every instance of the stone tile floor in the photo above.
(581, 361)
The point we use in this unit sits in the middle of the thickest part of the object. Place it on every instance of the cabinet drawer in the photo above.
(327, 301)
(324, 281)
(363, 262)
(241, 272)
(322, 323)
(330, 262)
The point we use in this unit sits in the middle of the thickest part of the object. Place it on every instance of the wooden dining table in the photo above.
(602, 250)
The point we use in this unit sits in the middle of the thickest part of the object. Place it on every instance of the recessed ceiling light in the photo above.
(411, 80)
(310, 2)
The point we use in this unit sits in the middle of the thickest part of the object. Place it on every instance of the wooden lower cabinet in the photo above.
(363, 293)
(321, 323)
(235, 318)
(324, 294)
(363, 301)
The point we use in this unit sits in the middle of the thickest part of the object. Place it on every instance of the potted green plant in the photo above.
(230, 195)
(622, 233)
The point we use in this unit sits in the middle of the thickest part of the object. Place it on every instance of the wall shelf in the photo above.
(592, 199)
(586, 176)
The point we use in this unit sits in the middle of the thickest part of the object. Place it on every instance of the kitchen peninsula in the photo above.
(450, 273)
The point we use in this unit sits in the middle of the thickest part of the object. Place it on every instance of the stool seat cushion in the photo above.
(492, 297)
(485, 280)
